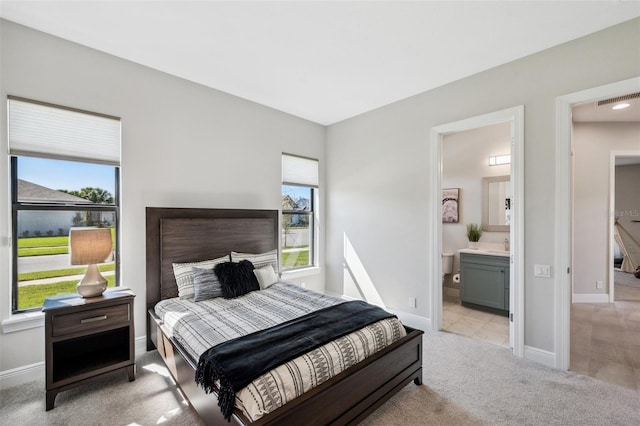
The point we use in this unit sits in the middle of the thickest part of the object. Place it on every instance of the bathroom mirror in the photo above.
(496, 203)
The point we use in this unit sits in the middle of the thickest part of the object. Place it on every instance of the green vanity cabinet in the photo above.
(484, 281)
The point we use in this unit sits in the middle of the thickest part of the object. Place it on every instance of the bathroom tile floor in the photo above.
(473, 323)
(605, 337)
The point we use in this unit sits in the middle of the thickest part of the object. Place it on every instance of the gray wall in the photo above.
(592, 146)
(378, 163)
(183, 145)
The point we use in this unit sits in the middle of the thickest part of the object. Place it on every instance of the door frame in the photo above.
(515, 116)
(612, 214)
(563, 212)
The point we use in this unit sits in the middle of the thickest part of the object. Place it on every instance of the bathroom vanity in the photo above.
(484, 280)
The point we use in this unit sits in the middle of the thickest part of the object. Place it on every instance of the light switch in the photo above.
(542, 271)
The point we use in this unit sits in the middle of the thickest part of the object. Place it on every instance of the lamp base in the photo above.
(93, 283)
(91, 290)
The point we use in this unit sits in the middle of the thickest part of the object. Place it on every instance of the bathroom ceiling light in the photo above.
(621, 106)
(499, 160)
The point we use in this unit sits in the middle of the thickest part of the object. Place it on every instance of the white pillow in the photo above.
(266, 276)
(184, 275)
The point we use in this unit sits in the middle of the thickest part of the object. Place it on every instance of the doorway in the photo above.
(514, 116)
(564, 209)
(476, 190)
(624, 225)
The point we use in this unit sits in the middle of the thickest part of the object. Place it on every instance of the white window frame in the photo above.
(302, 172)
(35, 128)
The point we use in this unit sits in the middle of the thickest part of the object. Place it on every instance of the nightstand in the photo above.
(86, 339)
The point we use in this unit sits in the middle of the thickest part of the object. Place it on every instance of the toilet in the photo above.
(447, 264)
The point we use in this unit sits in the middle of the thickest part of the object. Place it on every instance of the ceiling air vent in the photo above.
(619, 99)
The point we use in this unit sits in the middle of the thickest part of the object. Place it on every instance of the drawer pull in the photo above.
(86, 320)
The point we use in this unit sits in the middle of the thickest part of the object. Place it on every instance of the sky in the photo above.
(296, 192)
(69, 175)
(73, 176)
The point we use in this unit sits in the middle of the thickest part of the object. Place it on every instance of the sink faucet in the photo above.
(506, 244)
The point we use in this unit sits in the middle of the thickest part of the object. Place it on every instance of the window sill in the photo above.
(20, 322)
(299, 273)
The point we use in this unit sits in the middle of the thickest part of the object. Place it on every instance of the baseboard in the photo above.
(412, 320)
(31, 372)
(20, 375)
(140, 345)
(589, 298)
(540, 356)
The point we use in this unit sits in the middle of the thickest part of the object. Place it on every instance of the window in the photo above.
(298, 221)
(64, 174)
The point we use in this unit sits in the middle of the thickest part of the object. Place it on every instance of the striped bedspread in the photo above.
(197, 326)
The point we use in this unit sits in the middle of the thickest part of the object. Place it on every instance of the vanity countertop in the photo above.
(485, 251)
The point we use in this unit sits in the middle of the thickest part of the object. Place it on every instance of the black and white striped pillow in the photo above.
(184, 275)
(259, 260)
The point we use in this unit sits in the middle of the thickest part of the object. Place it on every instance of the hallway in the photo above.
(605, 337)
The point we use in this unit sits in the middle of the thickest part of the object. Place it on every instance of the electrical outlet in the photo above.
(600, 284)
(542, 271)
(412, 302)
(303, 284)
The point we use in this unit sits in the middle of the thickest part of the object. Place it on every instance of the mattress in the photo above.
(197, 326)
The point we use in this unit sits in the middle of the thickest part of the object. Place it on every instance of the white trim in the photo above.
(24, 321)
(563, 206)
(21, 375)
(412, 320)
(299, 273)
(540, 356)
(435, 219)
(29, 373)
(515, 116)
(590, 298)
(611, 224)
(140, 345)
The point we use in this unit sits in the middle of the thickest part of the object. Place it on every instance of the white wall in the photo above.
(378, 163)
(465, 161)
(592, 144)
(183, 145)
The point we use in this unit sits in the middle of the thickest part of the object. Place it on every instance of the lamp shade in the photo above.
(89, 245)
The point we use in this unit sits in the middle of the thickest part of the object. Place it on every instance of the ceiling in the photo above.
(324, 61)
(591, 112)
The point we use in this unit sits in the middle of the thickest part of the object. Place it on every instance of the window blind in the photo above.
(299, 171)
(45, 130)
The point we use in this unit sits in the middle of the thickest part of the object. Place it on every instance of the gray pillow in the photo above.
(205, 284)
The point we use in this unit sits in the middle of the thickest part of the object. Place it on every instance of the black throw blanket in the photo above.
(238, 362)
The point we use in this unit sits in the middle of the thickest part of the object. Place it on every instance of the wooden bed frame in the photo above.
(186, 234)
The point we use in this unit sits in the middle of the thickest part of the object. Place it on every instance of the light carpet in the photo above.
(467, 382)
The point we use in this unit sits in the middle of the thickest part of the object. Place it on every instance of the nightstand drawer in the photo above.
(90, 320)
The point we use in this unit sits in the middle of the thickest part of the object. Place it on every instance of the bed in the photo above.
(175, 235)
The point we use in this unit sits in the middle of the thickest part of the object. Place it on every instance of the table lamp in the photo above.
(89, 246)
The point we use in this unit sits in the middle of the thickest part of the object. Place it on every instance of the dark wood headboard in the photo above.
(177, 235)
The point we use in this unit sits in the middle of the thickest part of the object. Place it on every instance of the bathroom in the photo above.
(480, 191)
